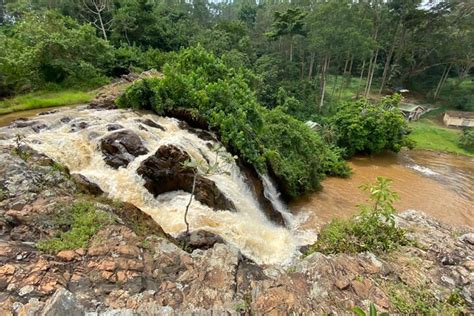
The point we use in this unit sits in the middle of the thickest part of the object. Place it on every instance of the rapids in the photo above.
(248, 229)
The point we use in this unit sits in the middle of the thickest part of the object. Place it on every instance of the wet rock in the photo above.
(164, 172)
(77, 126)
(200, 239)
(65, 119)
(151, 123)
(121, 147)
(84, 185)
(38, 127)
(48, 112)
(114, 127)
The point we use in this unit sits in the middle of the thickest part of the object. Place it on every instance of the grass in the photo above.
(44, 99)
(429, 135)
(408, 300)
(82, 221)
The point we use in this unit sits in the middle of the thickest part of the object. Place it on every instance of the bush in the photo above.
(466, 140)
(50, 48)
(372, 230)
(206, 87)
(82, 221)
(370, 128)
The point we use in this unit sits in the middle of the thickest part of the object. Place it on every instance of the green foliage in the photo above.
(82, 221)
(296, 154)
(201, 83)
(372, 311)
(370, 128)
(408, 300)
(3, 194)
(50, 48)
(372, 230)
(466, 140)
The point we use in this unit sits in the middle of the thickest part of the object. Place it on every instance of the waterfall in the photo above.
(247, 229)
(273, 195)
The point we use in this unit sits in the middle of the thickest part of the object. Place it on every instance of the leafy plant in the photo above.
(466, 140)
(372, 230)
(370, 128)
(372, 311)
(82, 221)
(205, 87)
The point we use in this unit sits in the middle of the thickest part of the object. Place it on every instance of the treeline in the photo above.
(294, 47)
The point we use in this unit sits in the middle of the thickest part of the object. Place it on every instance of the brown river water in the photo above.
(441, 185)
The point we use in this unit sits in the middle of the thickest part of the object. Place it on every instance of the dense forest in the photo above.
(305, 53)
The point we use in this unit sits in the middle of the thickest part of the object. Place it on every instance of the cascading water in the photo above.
(248, 228)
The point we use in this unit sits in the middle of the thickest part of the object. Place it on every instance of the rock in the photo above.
(200, 239)
(468, 238)
(86, 186)
(164, 172)
(26, 290)
(342, 283)
(65, 119)
(113, 127)
(121, 147)
(67, 255)
(77, 126)
(151, 123)
(62, 303)
(38, 127)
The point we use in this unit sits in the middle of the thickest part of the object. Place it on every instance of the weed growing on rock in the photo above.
(372, 311)
(82, 220)
(409, 300)
(372, 230)
(18, 150)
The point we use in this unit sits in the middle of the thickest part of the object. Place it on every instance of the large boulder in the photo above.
(164, 172)
(121, 148)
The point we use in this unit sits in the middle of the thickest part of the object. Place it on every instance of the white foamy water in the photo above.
(248, 229)
(424, 170)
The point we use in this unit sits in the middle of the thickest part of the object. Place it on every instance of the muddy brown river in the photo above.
(441, 185)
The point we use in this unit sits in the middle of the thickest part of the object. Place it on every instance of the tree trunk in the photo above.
(189, 204)
(371, 75)
(311, 66)
(104, 33)
(323, 81)
(335, 85)
(386, 68)
(442, 81)
(360, 78)
(291, 49)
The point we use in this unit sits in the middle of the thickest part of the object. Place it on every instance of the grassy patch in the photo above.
(408, 300)
(81, 220)
(42, 99)
(431, 136)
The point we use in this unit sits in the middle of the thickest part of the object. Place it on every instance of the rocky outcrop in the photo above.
(151, 123)
(121, 147)
(84, 185)
(164, 172)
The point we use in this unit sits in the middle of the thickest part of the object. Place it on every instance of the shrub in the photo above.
(370, 128)
(82, 221)
(206, 87)
(372, 230)
(466, 140)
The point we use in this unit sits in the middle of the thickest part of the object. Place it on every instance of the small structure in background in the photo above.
(313, 125)
(412, 112)
(458, 119)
